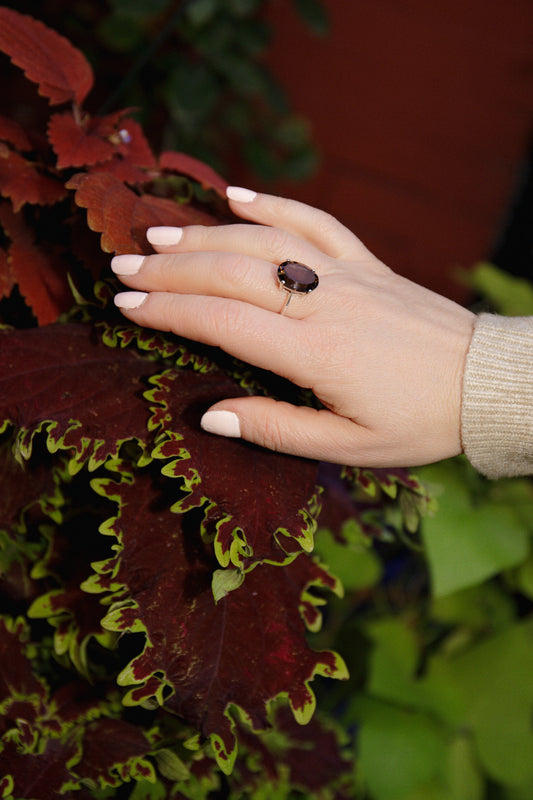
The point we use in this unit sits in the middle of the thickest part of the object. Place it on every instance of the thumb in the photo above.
(297, 430)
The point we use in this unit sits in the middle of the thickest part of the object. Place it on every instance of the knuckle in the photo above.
(273, 433)
(278, 245)
(163, 311)
(326, 225)
(227, 320)
(236, 269)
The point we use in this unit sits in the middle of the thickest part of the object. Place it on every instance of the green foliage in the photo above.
(506, 294)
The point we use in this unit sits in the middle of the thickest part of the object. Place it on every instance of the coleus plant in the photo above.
(157, 583)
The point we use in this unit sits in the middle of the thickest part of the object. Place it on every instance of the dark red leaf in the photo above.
(40, 776)
(74, 144)
(74, 614)
(85, 394)
(12, 132)
(113, 752)
(193, 168)
(62, 72)
(41, 278)
(17, 677)
(201, 657)
(23, 182)
(28, 495)
(122, 217)
(310, 754)
(259, 512)
(363, 495)
(62, 378)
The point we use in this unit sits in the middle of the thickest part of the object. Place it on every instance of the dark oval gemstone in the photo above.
(296, 277)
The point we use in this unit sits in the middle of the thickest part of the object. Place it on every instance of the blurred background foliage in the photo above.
(193, 72)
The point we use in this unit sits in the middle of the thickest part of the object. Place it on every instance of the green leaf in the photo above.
(508, 294)
(356, 566)
(495, 678)
(470, 538)
(226, 581)
(146, 790)
(485, 607)
(399, 750)
(171, 766)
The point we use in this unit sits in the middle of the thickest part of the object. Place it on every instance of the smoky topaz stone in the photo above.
(296, 277)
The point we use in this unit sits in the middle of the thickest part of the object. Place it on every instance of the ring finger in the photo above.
(222, 274)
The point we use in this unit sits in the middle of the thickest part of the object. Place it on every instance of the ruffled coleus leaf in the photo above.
(39, 775)
(18, 680)
(23, 181)
(25, 487)
(29, 497)
(114, 751)
(63, 380)
(193, 168)
(122, 216)
(201, 657)
(62, 72)
(311, 757)
(259, 509)
(88, 399)
(377, 500)
(50, 741)
(40, 276)
(72, 546)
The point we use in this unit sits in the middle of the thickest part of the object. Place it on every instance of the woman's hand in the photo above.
(384, 355)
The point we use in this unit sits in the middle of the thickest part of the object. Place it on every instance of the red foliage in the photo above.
(75, 145)
(188, 165)
(122, 216)
(110, 154)
(82, 401)
(39, 275)
(62, 73)
(22, 181)
(196, 651)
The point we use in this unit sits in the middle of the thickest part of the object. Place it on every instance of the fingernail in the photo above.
(240, 195)
(164, 235)
(126, 265)
(224, 423)
(130, 299)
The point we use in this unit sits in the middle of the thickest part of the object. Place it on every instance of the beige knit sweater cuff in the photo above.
(497, 405)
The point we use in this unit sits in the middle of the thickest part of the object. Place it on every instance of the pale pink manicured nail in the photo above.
(240, 195)
(128, 264)
(164, 235)
(130, 299)
(224, 423)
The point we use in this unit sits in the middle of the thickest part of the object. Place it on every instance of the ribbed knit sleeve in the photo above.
(497, 404)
